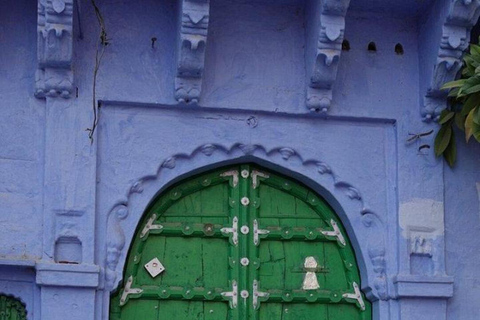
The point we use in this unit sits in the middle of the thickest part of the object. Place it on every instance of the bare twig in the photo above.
(102, 43)
(416, 136)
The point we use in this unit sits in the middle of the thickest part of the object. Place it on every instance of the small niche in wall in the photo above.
(421, 265)
(421, 256)
(68, 250)
(372, 47)
(345, 45)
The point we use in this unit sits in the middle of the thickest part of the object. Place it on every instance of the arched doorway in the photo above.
(12, 308)
(240, 242)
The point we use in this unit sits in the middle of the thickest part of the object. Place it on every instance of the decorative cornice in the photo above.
(461, 17)
(323, 64)
(192, 42)
(115, 244)
(54, 76)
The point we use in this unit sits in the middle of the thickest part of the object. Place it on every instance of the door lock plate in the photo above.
(154, 267)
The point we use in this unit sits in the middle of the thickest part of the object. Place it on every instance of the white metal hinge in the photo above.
(335, 233)
(255, 175)
(233, 174)
(129, 290)
(150, 226)
(356, 295)
(257, 232)
(232, 295)
(257, 294)
(233, 230)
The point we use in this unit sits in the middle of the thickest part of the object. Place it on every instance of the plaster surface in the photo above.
(414, 222)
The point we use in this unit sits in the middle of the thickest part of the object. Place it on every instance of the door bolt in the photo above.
(244, 229)
(245, 174)
(245, 201)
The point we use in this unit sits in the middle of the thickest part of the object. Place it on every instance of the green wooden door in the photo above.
(240, 243)
(11, 308)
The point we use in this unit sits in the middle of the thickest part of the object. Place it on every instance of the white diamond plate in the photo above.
(154, 267)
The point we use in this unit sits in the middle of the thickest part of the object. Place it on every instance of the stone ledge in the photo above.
(67, 275)
(24, 263)
(408, 286)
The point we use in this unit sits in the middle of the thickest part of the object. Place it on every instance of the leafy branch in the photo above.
(464, 109)
(102, 43)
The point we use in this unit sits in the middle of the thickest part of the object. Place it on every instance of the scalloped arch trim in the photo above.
(285, 157)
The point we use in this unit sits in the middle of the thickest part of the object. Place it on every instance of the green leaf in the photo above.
(442, 139)
(470, 86)
(476, 132)
(470, 63)
(450, 153)
(454, 92)
(453, 84)
(470, 103)
(460, 121)
(472, 89)
(469, 125)
(468, 71)
(474, 50)
(476, 116)
(445, 116)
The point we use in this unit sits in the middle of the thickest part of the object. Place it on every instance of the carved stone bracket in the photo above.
(192, 41)
(54, 76)
(324, 51)
(461, 17)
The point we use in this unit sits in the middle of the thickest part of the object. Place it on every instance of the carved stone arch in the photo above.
(366, 229)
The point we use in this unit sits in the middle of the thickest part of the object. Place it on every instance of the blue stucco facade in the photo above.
(189, 85)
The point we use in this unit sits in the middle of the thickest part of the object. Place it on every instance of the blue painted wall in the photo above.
(55, 184)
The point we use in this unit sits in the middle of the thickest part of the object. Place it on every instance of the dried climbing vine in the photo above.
(102, 43)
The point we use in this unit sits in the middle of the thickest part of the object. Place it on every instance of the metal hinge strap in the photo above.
(150, 226)
(257, 232)
(232, 296)
(335, 233)
(356, 295)
(255, 175)
(128, 290)
(257, 294)
(233, 174)
(233, 230)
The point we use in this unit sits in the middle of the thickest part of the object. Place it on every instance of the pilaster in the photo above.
(66, 275)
